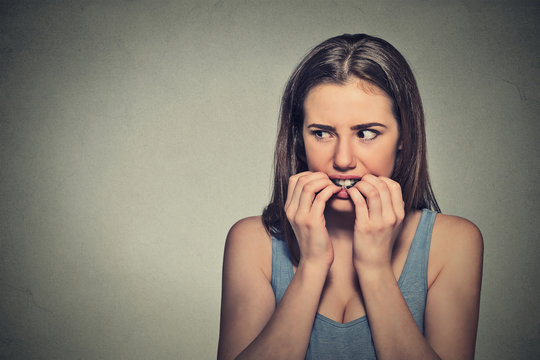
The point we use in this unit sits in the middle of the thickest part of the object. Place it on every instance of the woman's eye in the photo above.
(321, 134)
(367, 135)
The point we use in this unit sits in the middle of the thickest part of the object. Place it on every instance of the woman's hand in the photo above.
(307, 195)
(379, 211)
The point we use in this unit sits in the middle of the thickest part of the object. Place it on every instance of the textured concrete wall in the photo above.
(135, 133)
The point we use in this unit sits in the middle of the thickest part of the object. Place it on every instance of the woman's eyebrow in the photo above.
(355, 127)
(323, 127)
(367, 125)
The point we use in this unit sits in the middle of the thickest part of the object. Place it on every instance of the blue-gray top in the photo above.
(352, 340)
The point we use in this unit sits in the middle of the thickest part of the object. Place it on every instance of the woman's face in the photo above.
(349, 131)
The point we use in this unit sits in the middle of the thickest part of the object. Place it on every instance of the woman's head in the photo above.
(339, 61)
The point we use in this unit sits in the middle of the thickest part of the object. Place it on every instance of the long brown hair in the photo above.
(336, 61)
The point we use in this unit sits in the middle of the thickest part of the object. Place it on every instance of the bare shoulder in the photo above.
(249, 243)
(247, 300)
(454, 240)
(251, 227)
(457, 232)
(249, 233)
(453, 300)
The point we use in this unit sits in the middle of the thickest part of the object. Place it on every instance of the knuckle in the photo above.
(372, 192)
(309, 224)
(289, 214)
(368, 230)
(302, 181)
(361, 205)
(293, 178)
(379, 183)
(299, 219)
(296, 177)
(392, 220)
(310, 187)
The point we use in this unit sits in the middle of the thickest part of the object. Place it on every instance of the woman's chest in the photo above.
(341, 298)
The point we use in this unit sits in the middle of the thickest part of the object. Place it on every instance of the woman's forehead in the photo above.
(358, 99)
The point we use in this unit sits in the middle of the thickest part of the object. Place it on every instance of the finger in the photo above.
(396, 196)
(293, 191)
(301, 181)
(360, 205)
(387, 210)
(309, 192)
(292, 184)
(319, 204)
(372, 197)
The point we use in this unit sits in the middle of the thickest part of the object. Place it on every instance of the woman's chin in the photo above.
(340, 204)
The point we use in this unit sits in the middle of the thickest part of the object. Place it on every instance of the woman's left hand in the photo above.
(379, 211)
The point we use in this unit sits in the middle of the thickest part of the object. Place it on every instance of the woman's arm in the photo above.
(250, 327)
(451, 315)
(452, 305)
(453, 300)
(395, 333)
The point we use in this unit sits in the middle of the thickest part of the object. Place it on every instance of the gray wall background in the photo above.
(135, 133)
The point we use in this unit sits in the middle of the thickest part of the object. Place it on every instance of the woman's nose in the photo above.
(344, 158)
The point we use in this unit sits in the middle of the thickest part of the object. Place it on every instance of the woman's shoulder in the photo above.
(249, 230)
(248, 243)
(455, 240)
(456, 230)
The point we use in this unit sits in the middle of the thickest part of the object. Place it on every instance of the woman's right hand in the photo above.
(307, 195)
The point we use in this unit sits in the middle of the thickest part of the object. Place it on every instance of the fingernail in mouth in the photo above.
(345, 183)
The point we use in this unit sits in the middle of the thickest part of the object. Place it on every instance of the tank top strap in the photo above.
(282, 268)
(414, 274)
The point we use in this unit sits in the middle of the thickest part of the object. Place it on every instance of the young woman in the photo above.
(351, 259)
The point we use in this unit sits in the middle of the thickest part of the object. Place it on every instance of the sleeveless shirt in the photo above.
(352, 340)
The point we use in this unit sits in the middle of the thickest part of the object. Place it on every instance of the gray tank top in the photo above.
(352, 340)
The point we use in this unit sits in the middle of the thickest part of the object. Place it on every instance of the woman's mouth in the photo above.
(345, 183)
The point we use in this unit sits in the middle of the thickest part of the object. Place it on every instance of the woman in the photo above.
(351, 258)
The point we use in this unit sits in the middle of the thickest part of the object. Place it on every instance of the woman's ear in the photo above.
(400, 146)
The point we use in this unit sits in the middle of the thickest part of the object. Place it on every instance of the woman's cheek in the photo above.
(382, 164)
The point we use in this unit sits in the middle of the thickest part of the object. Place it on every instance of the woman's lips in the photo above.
(342, 194)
